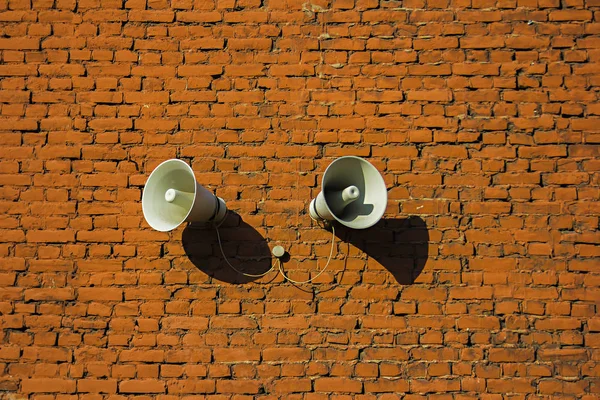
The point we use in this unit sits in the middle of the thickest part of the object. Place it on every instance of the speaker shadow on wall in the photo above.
(244, 247)
(400, 245)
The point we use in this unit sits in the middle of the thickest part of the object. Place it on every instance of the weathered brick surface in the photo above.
(483, 280)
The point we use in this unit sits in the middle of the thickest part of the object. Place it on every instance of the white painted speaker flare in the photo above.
(353, 193)
(172, 196)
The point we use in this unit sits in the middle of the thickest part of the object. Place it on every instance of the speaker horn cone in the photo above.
(172, 195)
(353, 193)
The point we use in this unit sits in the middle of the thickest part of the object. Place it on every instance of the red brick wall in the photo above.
(482, 281)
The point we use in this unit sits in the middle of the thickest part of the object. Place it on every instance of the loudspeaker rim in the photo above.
(379, 215)
(145, 199)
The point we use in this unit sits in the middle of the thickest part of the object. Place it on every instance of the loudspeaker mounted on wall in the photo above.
(353, 193)
(172, 195)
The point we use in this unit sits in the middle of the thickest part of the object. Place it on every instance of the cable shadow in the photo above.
(245, 248)
(400, 245)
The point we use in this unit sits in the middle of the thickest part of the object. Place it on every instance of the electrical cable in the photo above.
(278, 260)
(279, 264)
(234, 268)
(320, 272)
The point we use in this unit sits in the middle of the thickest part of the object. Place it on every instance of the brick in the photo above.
(142, 386)
(152, 16)
(435, 43)
(199, 70)
(147, 294)
(430, 16)
(479, 16)
(434, 385)
(50, 236)
(562, 355)
(249, 44)
(479, 322)
(511, 355)
(191, 386)
(566, 178)
(105, 180)
(522, 43)
(10, 353)
(104, 124)
(429, 95)
(517, 385)
(286, 354)
(188, 355)
(582, 265)
(12, 235)
(245, 70)
(476, 69)
(570, 15)
(236, 355)
(99, 266)
(558, 324)
(156, 71)
(14, 96)
(142, 355)
(482, 292)
(482, 42)
(18, 70)
(206, 16)
(382, 44)
(50, 294)
(442, 69)
(487, 208)
(97, 386)
(291, 70)
(380, 96)
(233, 322)
(387, 386)
(384, 15)
(292, 385)
(523, 178)
(100, 294)
(338, 385)
(286, 322)
(334, 322)
(48, 385)
(17, 43)
(186, 323)
(239, 386)
(374, 354)
(383, 322)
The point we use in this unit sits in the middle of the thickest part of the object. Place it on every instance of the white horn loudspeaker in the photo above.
(353, 193)
(172, 196)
